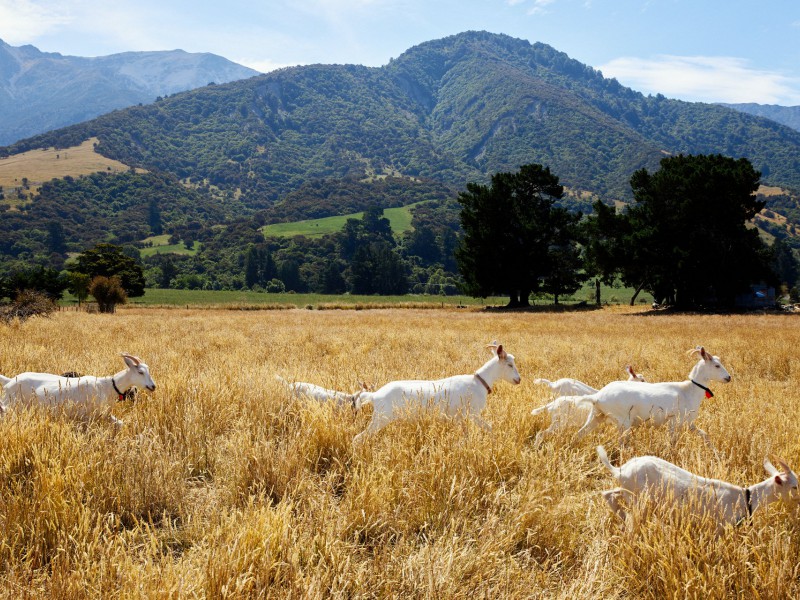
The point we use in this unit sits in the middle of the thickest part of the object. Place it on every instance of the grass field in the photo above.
(221, 485)
(400, 219)
(43, 165)
(161, 245)
(244, 299)
(219, 298)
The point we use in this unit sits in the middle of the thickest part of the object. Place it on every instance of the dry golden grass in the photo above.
(221, 486)
(43, 165)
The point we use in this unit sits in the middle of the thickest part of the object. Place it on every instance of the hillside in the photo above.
(786, 115)
(40, 166)
(216, 164)
(41, 91)
(445, 112)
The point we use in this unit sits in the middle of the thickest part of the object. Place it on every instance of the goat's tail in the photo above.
(363, 399)
(4, 380)
(540, 410)
(601, 453)
(588, 400)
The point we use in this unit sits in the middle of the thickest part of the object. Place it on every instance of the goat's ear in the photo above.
(778, 480)
(786, 468)
(501, 354)
(769, 468)
(130, 360)
(705, 355)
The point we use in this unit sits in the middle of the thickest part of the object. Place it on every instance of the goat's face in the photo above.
(710, 367)
(508, 369)
(785, 481)
(139, 372)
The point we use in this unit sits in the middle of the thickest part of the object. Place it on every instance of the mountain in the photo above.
(43, 91)
(787, 115)
(447, 111)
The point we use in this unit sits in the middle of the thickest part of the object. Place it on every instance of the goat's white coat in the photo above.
(567, 386)
(665, 482)
(83, 397)
(457, 396)
(568, 410)
(631, 403)
(301, 389)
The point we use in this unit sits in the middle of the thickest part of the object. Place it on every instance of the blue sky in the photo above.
(696, 50)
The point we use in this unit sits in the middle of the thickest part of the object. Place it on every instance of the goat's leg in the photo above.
(624, 433)
(544, 433)
(378, 422)
(612, 498)
(704, 435)
(591, 423)
(480, 422)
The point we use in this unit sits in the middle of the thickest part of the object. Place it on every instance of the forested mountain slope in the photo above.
(445, 112)
(787, 115)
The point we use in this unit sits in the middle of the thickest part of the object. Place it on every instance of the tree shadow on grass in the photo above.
(545, 308)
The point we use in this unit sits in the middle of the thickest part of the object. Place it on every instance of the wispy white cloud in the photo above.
(118, 24)
(24, 20)
(537, 6)
(704, 79)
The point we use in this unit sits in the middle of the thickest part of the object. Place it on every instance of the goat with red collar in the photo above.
(676, 404)
(83, 397)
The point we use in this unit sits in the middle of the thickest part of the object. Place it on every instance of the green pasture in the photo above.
(248, 299)
(161, 245)
(399, 218)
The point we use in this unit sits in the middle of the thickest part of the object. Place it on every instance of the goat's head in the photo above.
(508, 369)
(633, 375)
(785, 481)
(139, 372)
(709, 367)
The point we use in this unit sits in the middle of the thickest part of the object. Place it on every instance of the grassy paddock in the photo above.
(399, 219)
(161, 245)
(247, 299)
(43, 165)
(221, 486)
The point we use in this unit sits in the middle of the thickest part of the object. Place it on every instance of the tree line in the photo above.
(685, 239)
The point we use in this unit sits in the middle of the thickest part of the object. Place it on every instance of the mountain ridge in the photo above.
(449, 110)
(42, 91)
(786, 115)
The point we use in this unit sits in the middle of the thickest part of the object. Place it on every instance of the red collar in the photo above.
(709, 393)
(120, 395)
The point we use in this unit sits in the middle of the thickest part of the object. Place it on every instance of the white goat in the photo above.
(724, 502)
(569, 410)
(81, 396)
(567, 386)
(457, 396)
(631, 403)
(300, 389)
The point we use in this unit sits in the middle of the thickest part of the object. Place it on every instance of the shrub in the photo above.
(108, 292)
(26, 304)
